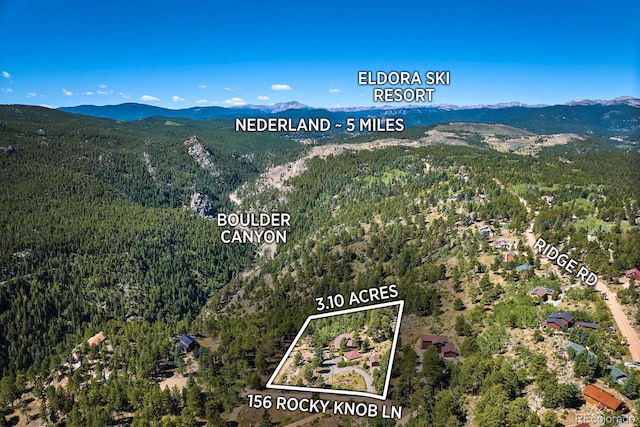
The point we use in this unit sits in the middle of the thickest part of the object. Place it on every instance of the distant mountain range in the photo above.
(618, 118)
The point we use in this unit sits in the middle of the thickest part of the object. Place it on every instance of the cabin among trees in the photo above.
(541, 292)
(438, 341)
(374, 361)
(352, 355)
(601, 399)
(617, 374)
(449, 351)
(574, 349)
(188, 344)
(501, 243)
(554, 323)
(441, 344)
(525, 271)
(509, 256)
(559, 321)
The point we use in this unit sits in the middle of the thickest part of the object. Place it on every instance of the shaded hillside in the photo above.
(97, 222)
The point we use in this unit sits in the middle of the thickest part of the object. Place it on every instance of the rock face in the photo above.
(200, 203)
(147, 161)
(201, 155)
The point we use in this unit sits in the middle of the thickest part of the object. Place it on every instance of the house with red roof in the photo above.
(437, 341)
(441, 344)
(559, 321)
(509, 256)
(352, 355)
(635, 273)
(601, 399)
(449, 351)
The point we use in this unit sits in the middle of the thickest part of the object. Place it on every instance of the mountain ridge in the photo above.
(617, 120)
(296, 105)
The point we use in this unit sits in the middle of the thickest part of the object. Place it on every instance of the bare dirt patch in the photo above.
(176, 380)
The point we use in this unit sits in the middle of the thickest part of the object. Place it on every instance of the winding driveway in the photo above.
(334, 369)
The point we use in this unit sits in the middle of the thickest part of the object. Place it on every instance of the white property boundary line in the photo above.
(333, 391)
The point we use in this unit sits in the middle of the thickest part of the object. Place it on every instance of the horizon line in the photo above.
(503, 104)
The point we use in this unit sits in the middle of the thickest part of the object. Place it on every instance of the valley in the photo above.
(103, 234)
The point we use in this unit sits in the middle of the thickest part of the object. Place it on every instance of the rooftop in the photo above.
(352, 355)
(435, 339)
(607, 400)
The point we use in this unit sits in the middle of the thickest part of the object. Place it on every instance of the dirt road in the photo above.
(305, 422)
(624, 324)
(334, 369)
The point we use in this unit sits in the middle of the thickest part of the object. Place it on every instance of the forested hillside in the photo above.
(95, 225)
(410, 217)
(100, 233)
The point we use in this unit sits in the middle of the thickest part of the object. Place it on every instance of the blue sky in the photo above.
(187, 53)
